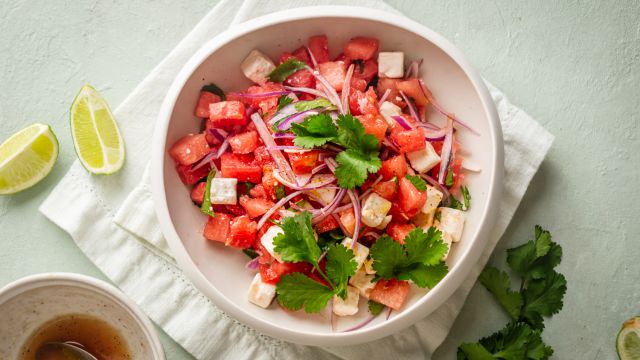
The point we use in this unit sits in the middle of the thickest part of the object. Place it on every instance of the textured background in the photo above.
(573, 65)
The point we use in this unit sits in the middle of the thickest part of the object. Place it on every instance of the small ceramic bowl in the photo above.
(30, 302)
(219, 272)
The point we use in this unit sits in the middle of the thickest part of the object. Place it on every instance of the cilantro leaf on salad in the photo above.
(297, 243)
(283, 101)
(466, 197)
(314, 131)
(206, 206)
(354, 168)
(296, 291)
(340, 266)
(417, 182)
(375, 308)
(284, 70)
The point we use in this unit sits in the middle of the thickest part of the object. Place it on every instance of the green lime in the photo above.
(628, 340)
(27, 157)
(95, 133)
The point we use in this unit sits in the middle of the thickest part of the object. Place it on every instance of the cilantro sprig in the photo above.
(466, 200)
(297, 243)
(361, 155)
(417, 182)
(540, 295)
(283, 101)
(284, 70)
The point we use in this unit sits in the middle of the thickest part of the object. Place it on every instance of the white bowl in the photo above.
(30, 302)
(219, 272)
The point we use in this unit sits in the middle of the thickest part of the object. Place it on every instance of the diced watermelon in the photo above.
(244, 143)
(327, 224)
(386, 189)
(363, 102)
(258, 191)
(302, 54)
(361, 48)
(374, 125)
(240, 166)
(255, 207)
(242, 232)
(394, 166)
(236, 210)
(272, 273)
(189, 149)
(410, 199)
(204, 101)
(303, 162)
(391, 293)
(269, 182)
(227, 114)
(197, 193)
(394, 94)
(367, 72)
(413, 89)
(408, 140)
(301, 78)
(190, 176)
(397, 214)
(217, 227)
(319, 47)
(399, 230)
(262, 155)
(335, 73)
(348, 220)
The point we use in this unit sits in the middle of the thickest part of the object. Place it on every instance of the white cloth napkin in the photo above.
(112, 220)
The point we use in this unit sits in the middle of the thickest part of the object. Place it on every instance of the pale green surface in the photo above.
(575, 67)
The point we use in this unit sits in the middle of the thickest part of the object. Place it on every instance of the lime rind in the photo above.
(628, 340)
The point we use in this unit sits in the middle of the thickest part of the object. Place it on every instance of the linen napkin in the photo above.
(112, 220)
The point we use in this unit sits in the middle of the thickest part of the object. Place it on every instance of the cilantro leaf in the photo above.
(466, 197)
(280, 193)
(534, 258)
(351, 135)
(387, 255)
(497, 282)
(354, 167)
(375, 308)
(206, 201)
(417, 182)
(213, 88)
(473, 351)
(250, 253)
(283, 101)
(543, 297)
(516, 341)
(455, 203)
(424, 275)
(282, 71)
(296, 291)
(340, 266)
(425, 248)
(448, 181)
(297, 243)
(313, 104)
(315, 130)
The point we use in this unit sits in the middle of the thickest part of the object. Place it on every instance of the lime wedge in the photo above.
(628, 341)
(95, 133)
(27, 157)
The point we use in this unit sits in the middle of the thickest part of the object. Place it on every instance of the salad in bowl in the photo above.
(340, 176)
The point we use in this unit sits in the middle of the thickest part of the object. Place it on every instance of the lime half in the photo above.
(27, 157)
(628, 341)
(95, 133)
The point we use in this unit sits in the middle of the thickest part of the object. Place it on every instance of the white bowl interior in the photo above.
(25, 308)
(224, 267)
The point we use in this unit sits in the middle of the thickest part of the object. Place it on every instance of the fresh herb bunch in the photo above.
(540, 294)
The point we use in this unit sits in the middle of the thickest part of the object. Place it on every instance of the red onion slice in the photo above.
(332, 95)
(357, 212)
(388, 143)
(313, 58)
(346, 88)
(223, 148)
(436, 184)
(384, 96)
(263, 95)
(306, 187)
(253, 264)
(284, 136)
(412, 108)
(402, 121)
(446, 152)
(265, 135)
(287, 147)
(275, 207)
(362, 324)
(314, 92)
(205, 160)
(295, 118)
(321, 214)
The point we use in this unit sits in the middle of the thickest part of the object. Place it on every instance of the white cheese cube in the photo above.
(348, 306)
(363, 282)
(368, 267)
(375, 209)
(323, 196)
(385, 222)
(261, 293)
(360, 251)
(424, 220)
(434, 196)
(257, 66)
(267, 241)
(389, 109)
(391, 64)
(452, 222)
(423, 160)
(223, 191)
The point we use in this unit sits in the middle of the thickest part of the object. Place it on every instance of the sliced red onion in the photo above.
(362, 324)
(287, 147)
(296, 118)
(344, 229)
(412, 108)
(332, 95)
(263, 95)
(427, 125)
(223, 148)
(265, 135)
(372, 234)
(443, 189)
(442, 111)
(388, 143)
(303, 179)
(434, 135)
(357, 212)
(413, 69)
(446, 152)
(275, 207)
(311, 186)
(205, 160)
(333, 147)
(346, 88)
(311, 91)
(219, 134)
(321, 214)
(402, 121)
(284, 135)
(313, 58)
(331, 164)
(285, 112)
(318, 168)
(384, 96)
(253, 264)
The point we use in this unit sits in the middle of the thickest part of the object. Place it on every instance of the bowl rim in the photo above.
(99, 287)
(438, 294)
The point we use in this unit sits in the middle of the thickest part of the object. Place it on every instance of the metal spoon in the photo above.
(70, 349)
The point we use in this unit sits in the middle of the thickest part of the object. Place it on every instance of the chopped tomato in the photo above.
(386, 189)
(269, 182)
(319, 47)
(303, 162)
(242, 232)
(391, 293)
(197, 193)
(410, 199)
(335, 73)
(398, 230)
(244, 143)
(258, 191)
(394, 166)
(413, 89)
(361, 48)
(327, 224)
(272, 273)
(217, 227)
(394, 95)
(408, 140)
(301, 78)
(202, 108)
(227, 114)
(255, 207)
(368, 70)
(348, 220)
(262, 155)
(189, 149)
(240, 166)
(374, 125)
(190, 176)
(363, 102)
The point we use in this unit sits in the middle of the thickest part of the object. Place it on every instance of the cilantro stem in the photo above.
(324, 276)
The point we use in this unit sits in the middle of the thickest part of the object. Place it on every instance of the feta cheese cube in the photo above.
(257, 66)
(384, 223)
(391, 64)
(363, 282)
(361, 252)
(375, 209)
(223, 191)
(348, 306)
(323, 196)
(389, 109)
(267, 241)
(424, 220)
(434, 196)
(452, 222)
(261, 293)
(423, 160)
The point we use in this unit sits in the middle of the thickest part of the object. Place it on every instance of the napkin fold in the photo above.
(112, 220)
